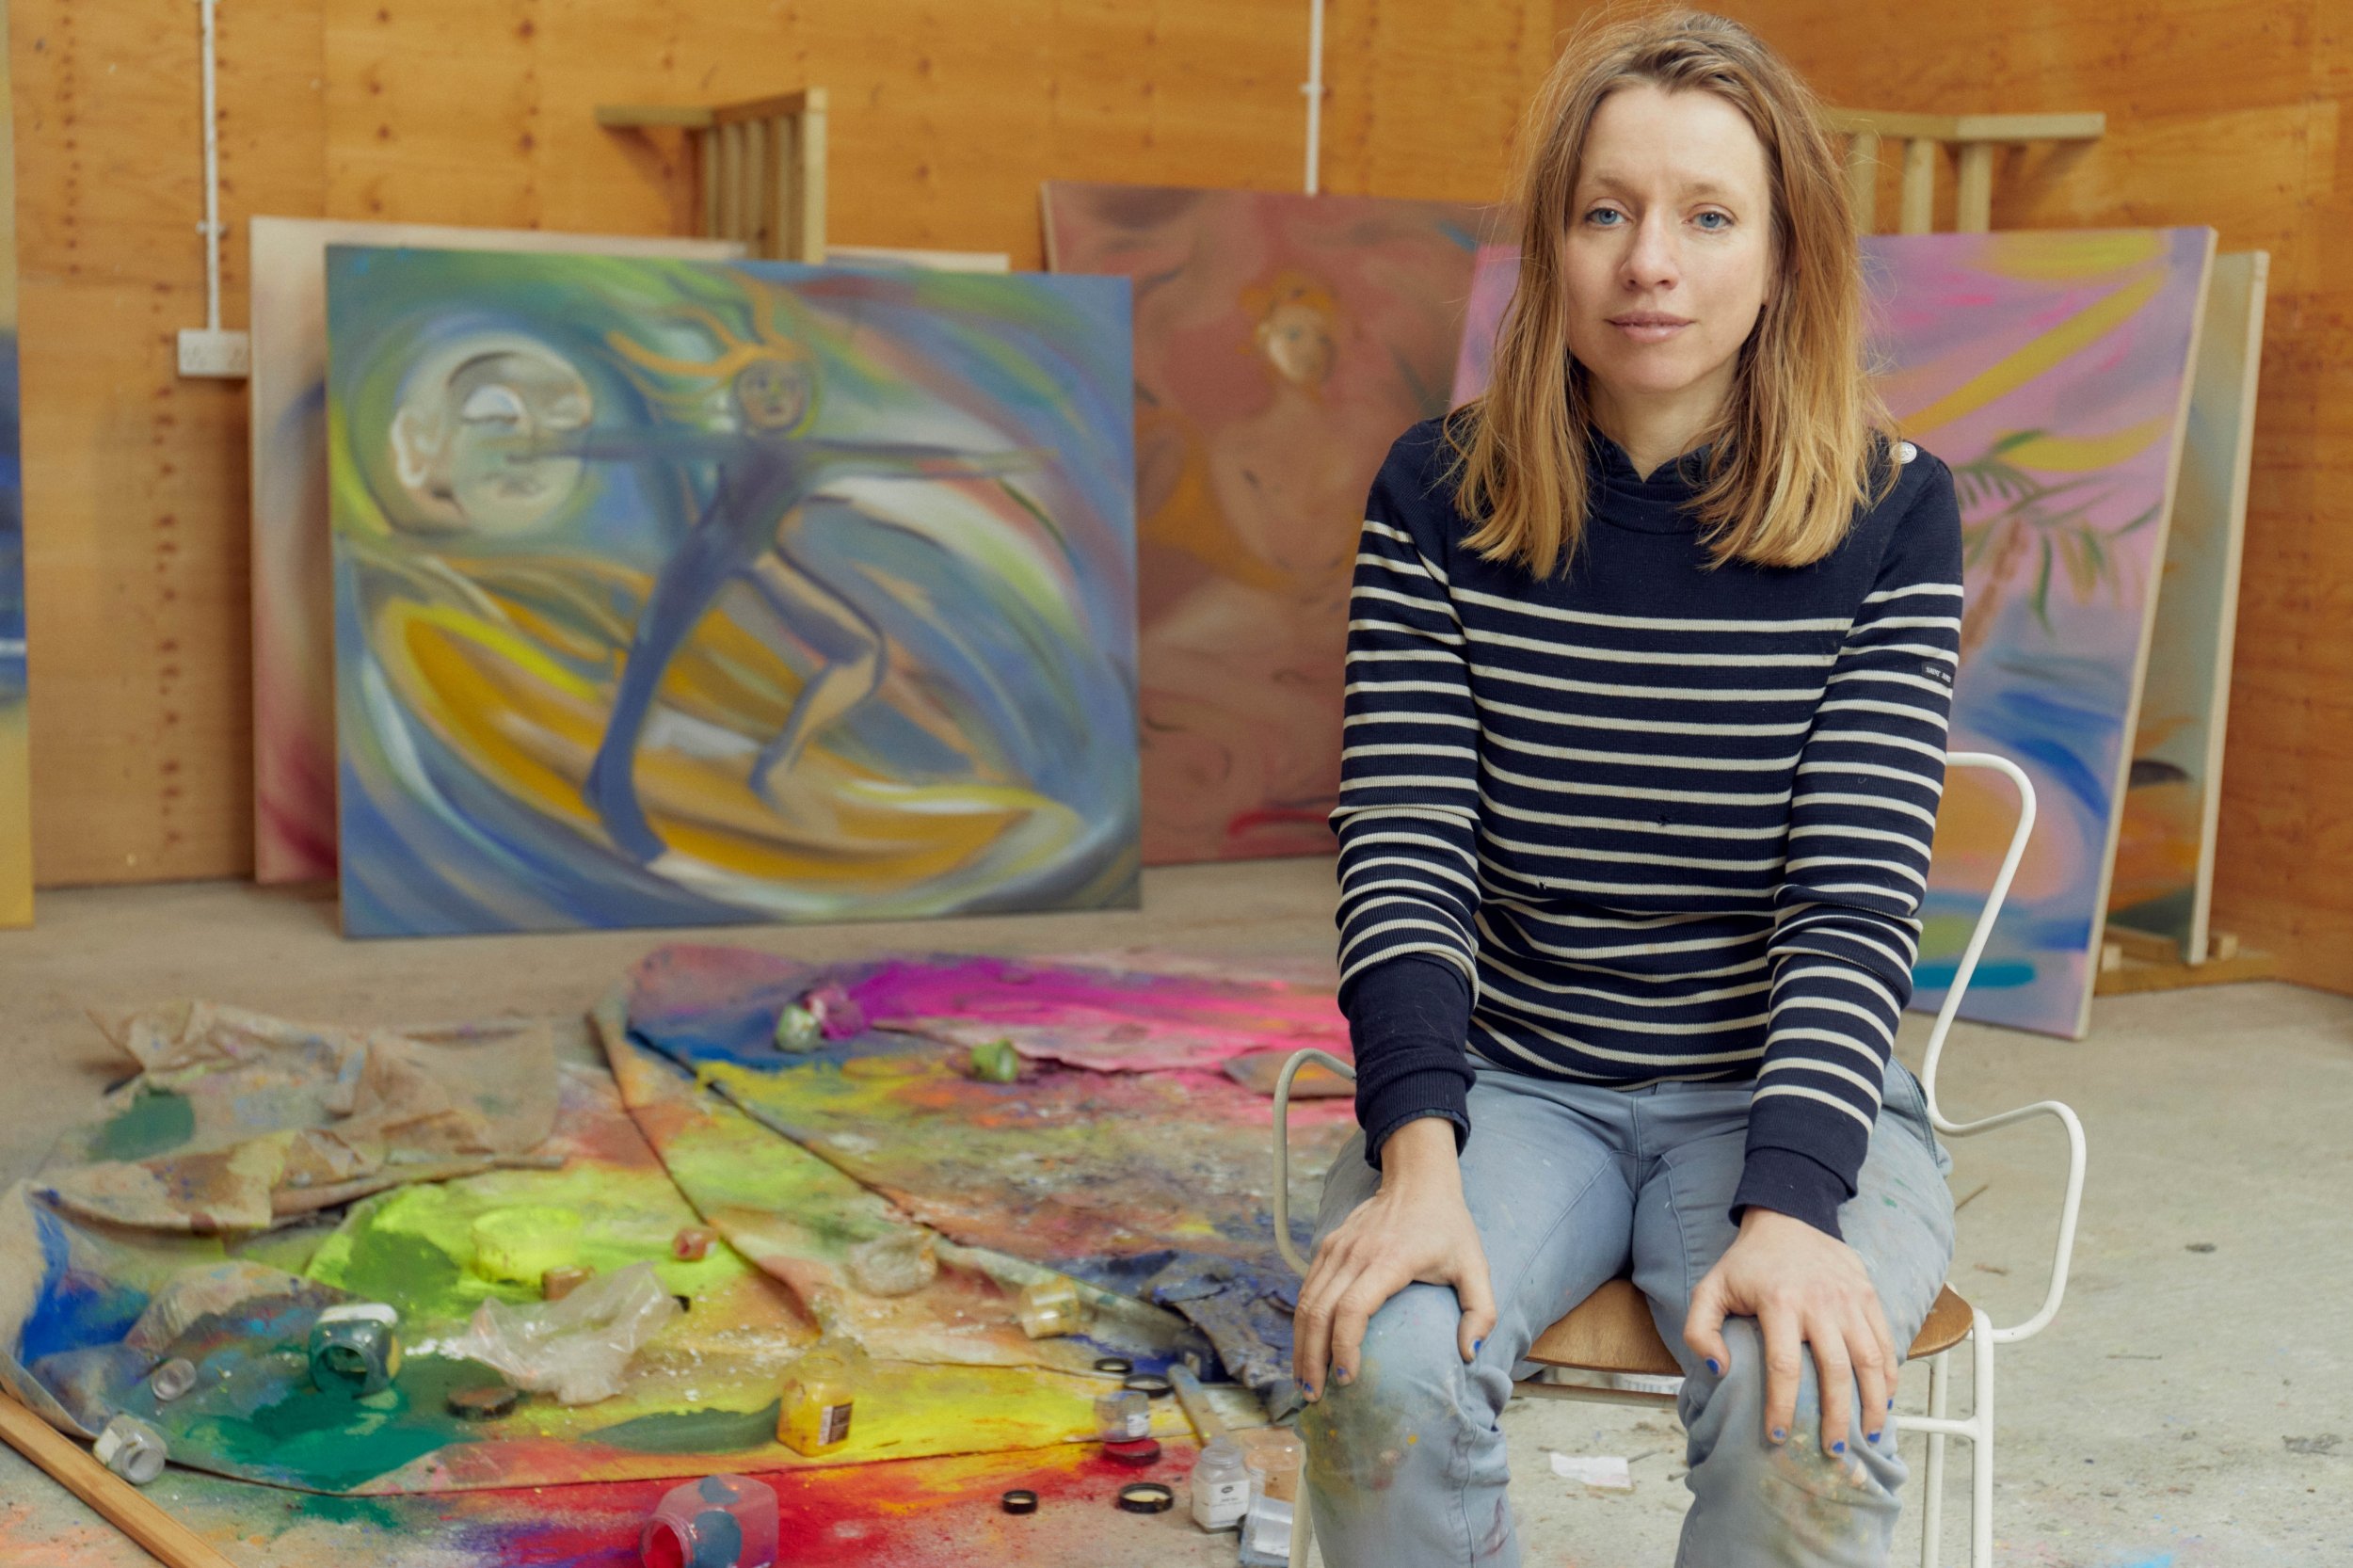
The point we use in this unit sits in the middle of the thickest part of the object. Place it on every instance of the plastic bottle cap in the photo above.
(1146, 1496)
(1136, 1450)
(1019, 1500)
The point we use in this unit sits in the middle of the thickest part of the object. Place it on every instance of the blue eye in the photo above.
(1601, 213)
(1718, 226)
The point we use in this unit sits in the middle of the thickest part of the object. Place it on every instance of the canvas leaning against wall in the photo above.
(293, 640)
(2051, 371)
(2165, 852)
(675, 592)
(1282, 344)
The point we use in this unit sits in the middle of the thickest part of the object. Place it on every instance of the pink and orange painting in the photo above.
(1282, 344)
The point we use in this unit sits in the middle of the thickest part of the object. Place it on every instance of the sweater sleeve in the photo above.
(1408, 814)
(1847, 926)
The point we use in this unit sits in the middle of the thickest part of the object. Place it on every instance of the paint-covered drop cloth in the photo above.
(97, 1306)
(237, 1121)
(1144, 1172)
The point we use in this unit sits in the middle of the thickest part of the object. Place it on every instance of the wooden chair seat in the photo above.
(1611, 1331)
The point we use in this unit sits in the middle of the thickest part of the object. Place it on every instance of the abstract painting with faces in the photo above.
(1282, 344)
(679, 592)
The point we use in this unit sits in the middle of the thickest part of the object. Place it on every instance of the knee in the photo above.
(1410, 1404)
(1804, 1492)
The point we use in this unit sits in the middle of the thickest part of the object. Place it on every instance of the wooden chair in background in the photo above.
(1973, 138)
(762, 167)
(1611, 1332)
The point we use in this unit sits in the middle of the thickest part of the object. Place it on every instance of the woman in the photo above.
(1648, 674)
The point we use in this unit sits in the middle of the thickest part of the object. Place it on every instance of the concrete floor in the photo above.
(2187, 1409)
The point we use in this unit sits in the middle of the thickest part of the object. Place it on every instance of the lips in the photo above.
(1649, 326)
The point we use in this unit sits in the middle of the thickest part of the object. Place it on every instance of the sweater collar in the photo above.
(1652, 506)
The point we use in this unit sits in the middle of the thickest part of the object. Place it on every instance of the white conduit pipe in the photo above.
(1312, 88)
(210, 226)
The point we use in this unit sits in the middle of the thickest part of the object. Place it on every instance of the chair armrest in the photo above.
(2063, 1252)
(1283, 1145)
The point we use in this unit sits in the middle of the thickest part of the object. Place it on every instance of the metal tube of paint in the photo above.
(132, 1449)
(355, 1349)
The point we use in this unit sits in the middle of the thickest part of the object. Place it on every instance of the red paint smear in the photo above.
(912, 1514)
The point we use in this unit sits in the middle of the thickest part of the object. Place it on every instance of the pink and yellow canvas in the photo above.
(294, 638)
(1282, 342)
(2165, 853)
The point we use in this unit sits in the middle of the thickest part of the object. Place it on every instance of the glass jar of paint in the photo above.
(1123, 1416)
(1221, 1485)
(718, 1521)
(1052, 1308)
(820, 1393)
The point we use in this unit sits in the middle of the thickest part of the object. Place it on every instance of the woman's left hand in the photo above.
(1804, 1288)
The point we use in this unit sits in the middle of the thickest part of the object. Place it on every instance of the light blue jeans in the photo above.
(1570, 1186)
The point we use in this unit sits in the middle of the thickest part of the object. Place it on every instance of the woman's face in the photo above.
(1669, 254)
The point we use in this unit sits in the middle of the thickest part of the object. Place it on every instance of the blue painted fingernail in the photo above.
(1478, 1345)
(1839, 1446)
(1780, 1433)
(1876, 1436)
(1310, 1388)
(1891, 1403)
(1712, 1366)
(1341, 1376)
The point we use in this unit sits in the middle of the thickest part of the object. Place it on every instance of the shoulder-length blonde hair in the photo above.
(1797, 447)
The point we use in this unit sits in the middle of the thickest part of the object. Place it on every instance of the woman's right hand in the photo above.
(1416, 1229)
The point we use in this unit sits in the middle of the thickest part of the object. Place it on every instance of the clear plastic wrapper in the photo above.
(578, 1348)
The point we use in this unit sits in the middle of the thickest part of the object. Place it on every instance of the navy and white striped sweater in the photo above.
(1643, 820)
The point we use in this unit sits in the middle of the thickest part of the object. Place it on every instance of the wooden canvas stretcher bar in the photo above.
(1973, 138)
(760, 167)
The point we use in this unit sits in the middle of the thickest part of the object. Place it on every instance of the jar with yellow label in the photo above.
(820, 1393)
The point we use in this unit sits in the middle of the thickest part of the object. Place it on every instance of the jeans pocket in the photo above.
(1909, 1099)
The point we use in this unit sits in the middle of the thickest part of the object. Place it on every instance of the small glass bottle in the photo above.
(171, 1380)
(132, 1449)
(1123, 1416)
(818, 1395)
(725, 1520)
(1052, 1308)
(1221, 1485)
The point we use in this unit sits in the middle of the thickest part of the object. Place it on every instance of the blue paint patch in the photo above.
(72, 1309)
(718, 1540)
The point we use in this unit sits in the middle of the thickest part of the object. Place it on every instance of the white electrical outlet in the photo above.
(206, 352)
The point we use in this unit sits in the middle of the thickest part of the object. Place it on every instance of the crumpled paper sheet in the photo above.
(238, 1121)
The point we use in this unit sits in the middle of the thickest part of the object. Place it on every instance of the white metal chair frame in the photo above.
(1977, 1427)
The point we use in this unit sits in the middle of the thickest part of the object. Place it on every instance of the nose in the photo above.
(1653, 258)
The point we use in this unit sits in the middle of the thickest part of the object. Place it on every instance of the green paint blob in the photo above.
(154, 1123)
(696, 1432)
(333, 1441)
